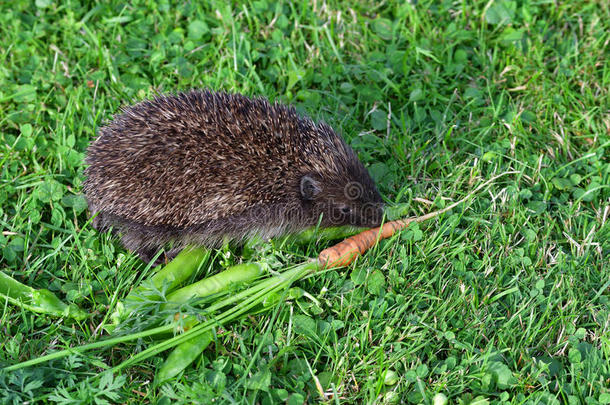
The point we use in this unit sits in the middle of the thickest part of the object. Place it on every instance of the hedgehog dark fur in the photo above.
(203, 167)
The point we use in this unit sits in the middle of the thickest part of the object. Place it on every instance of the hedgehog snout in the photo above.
(340, 211)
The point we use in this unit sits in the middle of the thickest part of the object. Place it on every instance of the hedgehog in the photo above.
(203, 167)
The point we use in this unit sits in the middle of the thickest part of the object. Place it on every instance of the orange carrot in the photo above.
(345, 252)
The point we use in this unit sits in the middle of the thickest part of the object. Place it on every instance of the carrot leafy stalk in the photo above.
(220, 312)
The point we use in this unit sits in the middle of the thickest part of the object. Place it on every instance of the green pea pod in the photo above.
(42, 301)
(220, 282)
(181, 268)
(183, 355)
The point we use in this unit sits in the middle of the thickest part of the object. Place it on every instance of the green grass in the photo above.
(504, 300)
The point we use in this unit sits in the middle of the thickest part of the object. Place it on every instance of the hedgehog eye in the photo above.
(345, 209)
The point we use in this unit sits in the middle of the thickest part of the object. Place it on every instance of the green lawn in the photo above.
(505, 299)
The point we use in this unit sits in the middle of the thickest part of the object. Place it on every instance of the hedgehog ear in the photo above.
(310, 188)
